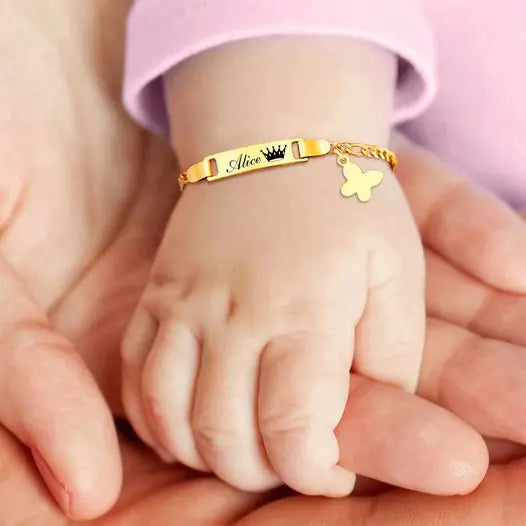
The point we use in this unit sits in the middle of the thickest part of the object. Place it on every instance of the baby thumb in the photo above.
(49, 400)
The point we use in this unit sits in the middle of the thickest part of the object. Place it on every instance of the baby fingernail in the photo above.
(342, 484)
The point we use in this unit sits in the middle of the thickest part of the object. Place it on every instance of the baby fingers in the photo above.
(304, 386)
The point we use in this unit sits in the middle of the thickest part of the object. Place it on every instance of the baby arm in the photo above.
(269, 286)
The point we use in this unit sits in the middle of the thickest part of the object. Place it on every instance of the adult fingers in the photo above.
(480, 379)
(499, 500)
(468, 226)
(392, 436)
(407, 441)
(24, 498)
(454, 296)
(52, 404)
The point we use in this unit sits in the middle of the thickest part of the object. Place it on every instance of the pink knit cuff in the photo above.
(162, 33)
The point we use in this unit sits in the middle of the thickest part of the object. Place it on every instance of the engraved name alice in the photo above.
(243, 161)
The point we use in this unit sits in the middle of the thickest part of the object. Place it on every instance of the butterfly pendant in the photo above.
(359, 183)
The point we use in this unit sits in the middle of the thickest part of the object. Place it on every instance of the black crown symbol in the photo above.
(275, 153)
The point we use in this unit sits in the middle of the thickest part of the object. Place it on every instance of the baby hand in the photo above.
(266, 290)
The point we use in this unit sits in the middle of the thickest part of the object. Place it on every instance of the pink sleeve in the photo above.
(162, 33)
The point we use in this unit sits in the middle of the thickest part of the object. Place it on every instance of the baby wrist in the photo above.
(259, 90)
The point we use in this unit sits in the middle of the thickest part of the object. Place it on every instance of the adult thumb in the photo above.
(51, 403)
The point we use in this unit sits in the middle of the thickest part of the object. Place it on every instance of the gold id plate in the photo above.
(256, 157)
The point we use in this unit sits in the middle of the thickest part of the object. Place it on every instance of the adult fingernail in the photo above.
(58, 489)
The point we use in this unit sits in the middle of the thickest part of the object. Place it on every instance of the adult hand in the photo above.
(498, 500)
(76, 186)
(474, 362)
(85, 273)
(170, 487)
(156, 494)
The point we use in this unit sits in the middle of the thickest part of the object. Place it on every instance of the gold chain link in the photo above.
(183, 181)
(364, 150)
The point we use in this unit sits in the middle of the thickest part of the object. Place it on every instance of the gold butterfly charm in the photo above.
(359, 183)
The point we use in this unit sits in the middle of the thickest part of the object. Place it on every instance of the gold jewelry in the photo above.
(292, 151)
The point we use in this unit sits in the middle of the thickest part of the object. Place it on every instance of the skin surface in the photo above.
(157, 494)
(267, 288)
(106, 249)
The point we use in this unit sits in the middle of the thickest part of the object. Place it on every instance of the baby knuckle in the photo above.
(162, 303)
(179, 286)
(166, 296)
(280, 426)
(156, 404)
(215, 440)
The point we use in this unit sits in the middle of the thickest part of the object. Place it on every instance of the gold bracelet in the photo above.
(292, 151)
